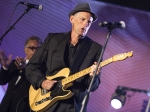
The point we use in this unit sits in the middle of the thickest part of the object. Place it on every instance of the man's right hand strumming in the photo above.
(48, 84)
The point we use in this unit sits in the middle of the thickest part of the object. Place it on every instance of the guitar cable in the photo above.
(19, 102)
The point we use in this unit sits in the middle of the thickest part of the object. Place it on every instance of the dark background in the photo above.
(136, 4)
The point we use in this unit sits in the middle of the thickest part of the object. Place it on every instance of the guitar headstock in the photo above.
(122, 56)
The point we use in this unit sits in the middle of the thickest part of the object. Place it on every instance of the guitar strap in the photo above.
(83, 50)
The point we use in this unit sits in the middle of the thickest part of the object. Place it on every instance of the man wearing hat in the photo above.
(73, 50)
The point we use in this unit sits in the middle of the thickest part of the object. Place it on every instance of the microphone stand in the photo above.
(148, 106)
(100, 58)
(12, 27)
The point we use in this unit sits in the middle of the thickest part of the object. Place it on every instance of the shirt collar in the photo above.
(27, 61)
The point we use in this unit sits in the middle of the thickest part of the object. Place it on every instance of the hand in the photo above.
(20, 63)
(93, 68)
(4, 60)
(48, 84)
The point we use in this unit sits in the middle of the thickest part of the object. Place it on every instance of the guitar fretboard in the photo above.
(103, 63)
(84, 72)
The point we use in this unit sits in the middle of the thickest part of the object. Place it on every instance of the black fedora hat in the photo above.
(85, 7)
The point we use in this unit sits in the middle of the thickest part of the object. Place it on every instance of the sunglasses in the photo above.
(33, 48)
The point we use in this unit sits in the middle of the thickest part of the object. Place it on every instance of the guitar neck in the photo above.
(103, 63)
(84, 72)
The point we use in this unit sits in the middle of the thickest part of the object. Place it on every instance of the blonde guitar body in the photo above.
(41, 101)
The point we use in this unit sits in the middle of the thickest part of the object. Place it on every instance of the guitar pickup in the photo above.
(44, 91)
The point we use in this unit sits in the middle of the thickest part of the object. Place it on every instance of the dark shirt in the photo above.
(73, 51)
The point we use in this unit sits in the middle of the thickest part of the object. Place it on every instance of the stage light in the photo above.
(118, 98)
(117, 101)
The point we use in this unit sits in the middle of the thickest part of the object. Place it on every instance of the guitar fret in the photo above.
(106, 62)
(72, 77)
(109, 60)
(68, 79)
(75, 76)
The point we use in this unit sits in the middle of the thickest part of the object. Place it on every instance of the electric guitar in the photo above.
(41, 99)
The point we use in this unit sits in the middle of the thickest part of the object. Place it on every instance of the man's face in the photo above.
(30, 48)
(81, 23)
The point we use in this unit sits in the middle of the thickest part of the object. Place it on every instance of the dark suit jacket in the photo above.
(53, 51)
(16, 96)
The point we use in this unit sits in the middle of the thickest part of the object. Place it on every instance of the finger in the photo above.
(18, 60)
(48, 85)
(51, 82)
(10, 58)
(25, 58)
(95, 63)
(45, 86)
(22, 60)
(94, 68)
(16, 64)
(54, 81)
(98, 72)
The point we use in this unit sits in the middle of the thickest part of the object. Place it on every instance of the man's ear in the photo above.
(25, 50)
(71, 18)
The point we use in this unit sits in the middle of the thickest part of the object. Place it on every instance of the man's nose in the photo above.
(86, 24)
(34, 50)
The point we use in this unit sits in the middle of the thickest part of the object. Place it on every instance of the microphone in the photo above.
(120, 24)
(38, 7)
